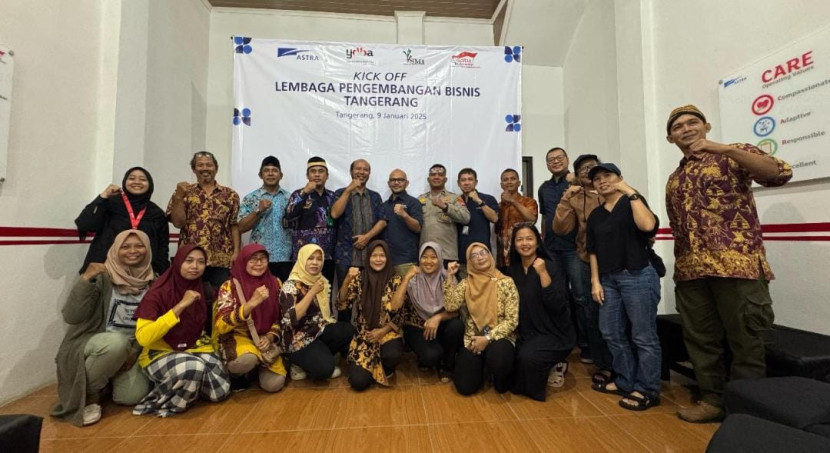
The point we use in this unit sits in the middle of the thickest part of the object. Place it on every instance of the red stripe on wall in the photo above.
(43, 235)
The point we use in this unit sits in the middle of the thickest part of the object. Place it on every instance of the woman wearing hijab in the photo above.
(489, 305)
(311, 335)
(122, 208)
(546, 332)
(99, 345)
(377, 294)
(177, 355)
(433, 333)
(247, 305)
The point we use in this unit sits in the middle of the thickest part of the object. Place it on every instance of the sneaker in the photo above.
(297, 373)
(92, 413)
(703, 412)
(336, 373)
(586, 360)
(556, 378)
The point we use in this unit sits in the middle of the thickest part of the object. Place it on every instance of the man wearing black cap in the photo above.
(577, 203)
(721, 271)
(262, 211)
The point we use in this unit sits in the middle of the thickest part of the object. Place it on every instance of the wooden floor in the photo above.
(417, 414)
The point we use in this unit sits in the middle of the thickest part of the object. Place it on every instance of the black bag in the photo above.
(656, 262)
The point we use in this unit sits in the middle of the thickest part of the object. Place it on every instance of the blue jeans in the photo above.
(580, 288)
(631, 298)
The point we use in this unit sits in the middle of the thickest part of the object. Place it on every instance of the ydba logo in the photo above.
(465, 59)
(410, 60)
(360, 55)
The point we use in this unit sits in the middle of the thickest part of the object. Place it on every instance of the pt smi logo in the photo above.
(410, 60)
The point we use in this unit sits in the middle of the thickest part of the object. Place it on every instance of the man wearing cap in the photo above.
(262, 211)
(562, 247)
(572, 212)
(309, 215)
(721, 271)
(404, 217)
(443, 210)
(360, 218)
(626, 286)
(205, 214)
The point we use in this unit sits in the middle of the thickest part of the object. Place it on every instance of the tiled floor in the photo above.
(417, 414)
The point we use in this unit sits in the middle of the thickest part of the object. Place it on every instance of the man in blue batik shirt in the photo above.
(262, 211)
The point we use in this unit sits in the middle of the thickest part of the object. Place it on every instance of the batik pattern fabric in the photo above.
(507, 318)
(209, 218)
(269, 230)
(298, 333)
(713, 217)
(362, 351)
(309, 216)
(509, 216)
(181, 378)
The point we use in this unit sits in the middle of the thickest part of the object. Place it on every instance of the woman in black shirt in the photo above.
(627, 288)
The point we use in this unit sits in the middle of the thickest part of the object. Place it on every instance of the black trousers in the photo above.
(391, 354)
(317, 359)
(441, 351)
(534, 359)
(497, 358)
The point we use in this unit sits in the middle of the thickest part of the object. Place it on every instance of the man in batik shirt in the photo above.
(721, 270)
(205, 214)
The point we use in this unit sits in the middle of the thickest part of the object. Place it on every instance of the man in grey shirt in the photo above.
(443, 210)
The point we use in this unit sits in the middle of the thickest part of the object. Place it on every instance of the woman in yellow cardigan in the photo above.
(177, 355)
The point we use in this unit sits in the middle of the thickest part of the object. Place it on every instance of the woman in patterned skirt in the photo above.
(177, 355)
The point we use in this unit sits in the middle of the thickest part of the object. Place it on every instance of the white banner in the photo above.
(781, 103)
(396, 106)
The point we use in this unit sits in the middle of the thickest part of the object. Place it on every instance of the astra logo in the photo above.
(299, 54)
(358, 52)
(464, 59)
(734, 81)
(412, 60)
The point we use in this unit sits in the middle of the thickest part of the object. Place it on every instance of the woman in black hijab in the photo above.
(122, 208)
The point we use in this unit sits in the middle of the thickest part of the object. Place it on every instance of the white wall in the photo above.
(694, 45)
(543, 125)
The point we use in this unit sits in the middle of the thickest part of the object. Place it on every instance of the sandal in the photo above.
(642, 402)
(556, 378)
(602, 387)
(599, 377)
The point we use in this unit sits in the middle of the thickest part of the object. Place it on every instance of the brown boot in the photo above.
(703, 412)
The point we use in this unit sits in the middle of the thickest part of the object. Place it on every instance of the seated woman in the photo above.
(177, 355)
(546, 332)
(433, 333)
(118, 209)
(627, 288)
(311, 335)
(99, 345)
(246, 319)
(378, 294)
(489, 305)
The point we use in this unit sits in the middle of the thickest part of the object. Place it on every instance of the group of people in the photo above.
(347, 275)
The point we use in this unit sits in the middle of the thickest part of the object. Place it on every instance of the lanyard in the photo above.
(134, 221)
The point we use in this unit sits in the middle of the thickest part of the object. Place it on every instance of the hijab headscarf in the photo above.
(374, 285)
(129, 279)
(138, 202)
(268, 312)
(481, 294)
(166, 292)
(426, 291)
(298, 273)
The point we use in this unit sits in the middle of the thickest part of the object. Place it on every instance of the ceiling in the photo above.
(475, 9)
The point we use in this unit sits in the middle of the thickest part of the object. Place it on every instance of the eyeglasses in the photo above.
(584, 170)
(556, 159)
(258, 259)
(397, 180)
(477, 255)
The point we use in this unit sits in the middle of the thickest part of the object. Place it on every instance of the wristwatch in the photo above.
(635, 196)
(480, 203)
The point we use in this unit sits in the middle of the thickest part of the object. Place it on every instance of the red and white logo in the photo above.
(465, 59)
(762, 104)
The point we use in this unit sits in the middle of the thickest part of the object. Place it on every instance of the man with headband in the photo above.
(721, 271)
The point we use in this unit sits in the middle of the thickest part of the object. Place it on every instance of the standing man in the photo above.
(562, 247)
(514, 208)
(484, 211)
(309, 214)
(359, 217)
(572, 213)
(404, 217)
(721, 271)
(442, 211)
(262, 211)
(206, 213)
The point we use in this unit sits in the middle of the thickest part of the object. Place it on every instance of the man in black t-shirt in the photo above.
(484, 211)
